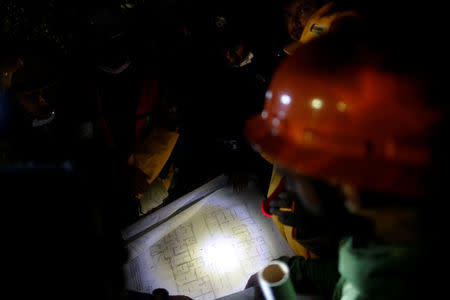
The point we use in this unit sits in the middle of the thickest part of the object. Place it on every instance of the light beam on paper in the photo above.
(223, 252)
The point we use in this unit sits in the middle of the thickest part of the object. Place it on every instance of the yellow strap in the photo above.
(285, 230)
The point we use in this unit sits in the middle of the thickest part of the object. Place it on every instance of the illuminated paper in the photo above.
(149, 221)
(153, 197)
(209, 250)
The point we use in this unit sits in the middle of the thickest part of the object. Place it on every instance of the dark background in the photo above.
(62, 220)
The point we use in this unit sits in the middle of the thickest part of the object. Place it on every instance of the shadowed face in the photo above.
(394, 218)
(38, 103)
(235, 54)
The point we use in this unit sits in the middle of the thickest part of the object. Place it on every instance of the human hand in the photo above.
(289, 210)
(253, 283)
(281, 206)
(163, 294)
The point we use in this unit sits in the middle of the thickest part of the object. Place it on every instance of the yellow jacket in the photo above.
(285, 230)
(153, 152)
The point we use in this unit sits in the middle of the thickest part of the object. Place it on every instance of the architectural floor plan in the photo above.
(214, 252)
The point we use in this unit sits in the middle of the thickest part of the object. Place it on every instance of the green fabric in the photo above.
(375, 272)
(315, 276)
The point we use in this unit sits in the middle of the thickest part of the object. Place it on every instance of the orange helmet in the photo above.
(340, 117)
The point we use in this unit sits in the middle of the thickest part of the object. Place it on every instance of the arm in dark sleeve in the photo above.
(316, 276)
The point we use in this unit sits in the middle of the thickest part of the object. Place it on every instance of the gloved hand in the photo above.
(309, 230)
(315, 209)
(290, 211)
